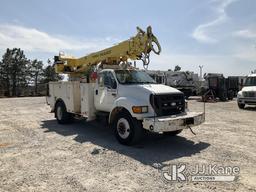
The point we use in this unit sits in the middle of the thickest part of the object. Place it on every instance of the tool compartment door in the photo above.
(68, 92)
(87, 100)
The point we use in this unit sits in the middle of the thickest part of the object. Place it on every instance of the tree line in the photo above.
(20, 76)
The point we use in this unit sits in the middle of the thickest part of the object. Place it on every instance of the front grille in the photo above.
(250, 102)
(168, 104)
(249, 94)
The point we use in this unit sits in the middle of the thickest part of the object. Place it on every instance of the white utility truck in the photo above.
(247, 96)
(104, 83)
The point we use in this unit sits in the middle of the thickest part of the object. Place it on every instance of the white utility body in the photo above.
(129, 98)
(247, 96)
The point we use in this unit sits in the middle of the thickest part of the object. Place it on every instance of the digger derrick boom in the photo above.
(135, 48)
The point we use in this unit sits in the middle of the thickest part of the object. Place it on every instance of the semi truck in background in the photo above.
(105, 84)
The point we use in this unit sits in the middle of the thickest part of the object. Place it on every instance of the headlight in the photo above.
(140, 109)
(240, 94)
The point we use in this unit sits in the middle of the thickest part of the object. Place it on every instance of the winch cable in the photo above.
(196, 138)
(191, 130)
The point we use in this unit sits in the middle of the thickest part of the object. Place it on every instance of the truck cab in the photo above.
(129, 88)
(131, 100)
(247, 96)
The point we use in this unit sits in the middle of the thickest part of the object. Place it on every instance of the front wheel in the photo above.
(241, 105)
(127, 130)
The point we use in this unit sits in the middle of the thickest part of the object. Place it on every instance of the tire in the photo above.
(173, 133)
(241, 105)
(127, 130)
(61, 114)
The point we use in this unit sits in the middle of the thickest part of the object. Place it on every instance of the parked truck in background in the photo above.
(217, 86)
(105, 84)
(185, 81)
(247, 95)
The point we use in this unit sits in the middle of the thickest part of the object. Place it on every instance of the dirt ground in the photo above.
(37, 154)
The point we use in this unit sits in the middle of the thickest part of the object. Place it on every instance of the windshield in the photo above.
(250, 81)
(133, 77)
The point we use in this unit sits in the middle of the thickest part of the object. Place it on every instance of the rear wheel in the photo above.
(241, 105)
(61, 113)
(127, 130)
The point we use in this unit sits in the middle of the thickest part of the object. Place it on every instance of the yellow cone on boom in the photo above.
(135, 48)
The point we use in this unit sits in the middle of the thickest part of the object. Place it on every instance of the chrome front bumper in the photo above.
(247, 100)
(174, 122)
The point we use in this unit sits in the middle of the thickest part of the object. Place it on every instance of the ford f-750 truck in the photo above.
(104, 83)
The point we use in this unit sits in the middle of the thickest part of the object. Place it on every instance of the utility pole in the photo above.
(201, 72)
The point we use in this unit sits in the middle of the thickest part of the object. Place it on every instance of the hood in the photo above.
(140, 90)
(159, 88)
(249, 88)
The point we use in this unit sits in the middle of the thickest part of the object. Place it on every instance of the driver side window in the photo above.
(107, 79)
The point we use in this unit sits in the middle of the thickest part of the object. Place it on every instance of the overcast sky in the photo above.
(218, 34)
